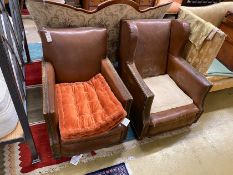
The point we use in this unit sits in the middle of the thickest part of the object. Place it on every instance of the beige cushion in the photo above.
(58, 1)
(167, 95)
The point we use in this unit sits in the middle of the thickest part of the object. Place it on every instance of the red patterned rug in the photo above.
(33, 73)
(41, 140)
(17, 157)
(25, 12)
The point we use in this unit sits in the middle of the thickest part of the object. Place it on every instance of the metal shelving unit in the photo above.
(13, 56)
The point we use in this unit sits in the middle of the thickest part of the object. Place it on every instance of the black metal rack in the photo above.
(13, 56)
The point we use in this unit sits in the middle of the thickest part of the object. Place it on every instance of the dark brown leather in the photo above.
(150, 54)
(179, 37)
(225, 54)
(154, 47)
(116, 84)
(115, 136)
(59, 67)
(71, 48)
(193, 83)
(172, 119)
(128, 42)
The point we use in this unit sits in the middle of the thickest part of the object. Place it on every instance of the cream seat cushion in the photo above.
(58, 1)
(167, 95)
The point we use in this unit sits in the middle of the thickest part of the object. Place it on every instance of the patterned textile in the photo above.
(200, 29)
(2, 167)
(87, 108)
(58, 16)
(201, 59)
(205, 41)
(119, 169)
(17, 159)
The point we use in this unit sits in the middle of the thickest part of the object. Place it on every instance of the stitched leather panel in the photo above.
(74, 147)
(172, 119)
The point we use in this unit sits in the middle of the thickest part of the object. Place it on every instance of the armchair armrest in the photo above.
(193, 83)
(142, 98)
(116, 84)
(48, 81)
(137, 85)
(49, 111)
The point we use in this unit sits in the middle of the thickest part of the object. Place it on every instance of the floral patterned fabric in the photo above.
(58, 16)
(205, 41)
(202, 57)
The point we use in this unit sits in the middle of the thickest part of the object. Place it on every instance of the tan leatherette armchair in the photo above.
(168, 93)
(206, 39)
(76, 55)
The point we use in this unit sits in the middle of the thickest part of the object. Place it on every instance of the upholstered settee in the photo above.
(168, 93)
(107, 15)
(206, 39)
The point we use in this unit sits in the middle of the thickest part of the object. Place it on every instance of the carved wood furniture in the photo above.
(92, 4)
(168, 93)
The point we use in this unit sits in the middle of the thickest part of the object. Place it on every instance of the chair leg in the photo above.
(56, 151)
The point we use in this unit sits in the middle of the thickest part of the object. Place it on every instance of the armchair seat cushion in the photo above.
(167, 95)
(87, 108)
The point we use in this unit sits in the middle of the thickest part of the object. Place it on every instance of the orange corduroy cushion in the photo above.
(87, 108)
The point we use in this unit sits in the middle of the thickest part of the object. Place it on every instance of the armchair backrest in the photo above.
(75, 53)
(148, 42)
(107, 15)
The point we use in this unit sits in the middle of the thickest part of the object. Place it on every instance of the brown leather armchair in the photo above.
(76, 55)
(168, 93)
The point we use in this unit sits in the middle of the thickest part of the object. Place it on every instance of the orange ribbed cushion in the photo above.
(87, 108)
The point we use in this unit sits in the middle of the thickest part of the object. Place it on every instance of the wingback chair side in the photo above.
(175, 34)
